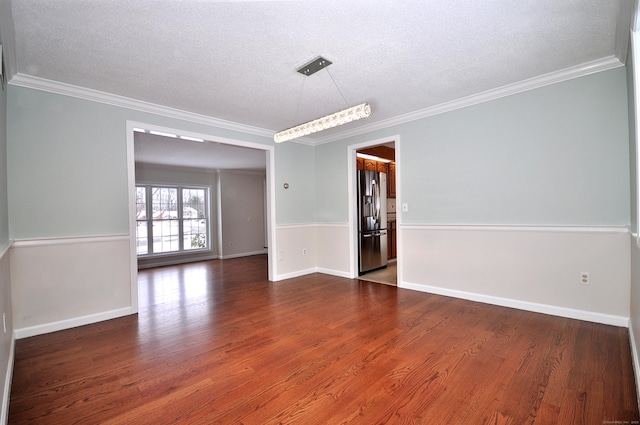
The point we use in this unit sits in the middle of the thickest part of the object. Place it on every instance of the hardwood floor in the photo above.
(216, 343)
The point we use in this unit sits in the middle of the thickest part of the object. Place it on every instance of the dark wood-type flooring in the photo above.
(216, 343)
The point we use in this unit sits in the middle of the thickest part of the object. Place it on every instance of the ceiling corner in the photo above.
(7, 39)
(626, 22)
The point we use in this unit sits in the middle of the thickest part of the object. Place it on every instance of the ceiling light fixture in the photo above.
(162, 133)
(329, 121)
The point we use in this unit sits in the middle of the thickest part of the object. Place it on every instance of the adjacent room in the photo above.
(319, 212)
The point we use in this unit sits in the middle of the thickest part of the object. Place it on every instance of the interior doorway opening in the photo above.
(160, 157)
(377, 160)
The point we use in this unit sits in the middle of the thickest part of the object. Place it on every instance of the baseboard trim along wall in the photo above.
(588, 316)
(332, 272)
(243, 254)
(70, 323)
(526, 267)
(636, 360)
(298, 273)
(6, 395)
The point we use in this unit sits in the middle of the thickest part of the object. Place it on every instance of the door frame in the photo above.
(353, 196)
(131, 181)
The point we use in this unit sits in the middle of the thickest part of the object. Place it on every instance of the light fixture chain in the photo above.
(336, 84)
(297, 114)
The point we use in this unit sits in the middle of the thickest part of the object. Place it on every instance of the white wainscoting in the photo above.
(291, 241)
(66, 282)
(334, 249)
(530, 268)
(326, 246)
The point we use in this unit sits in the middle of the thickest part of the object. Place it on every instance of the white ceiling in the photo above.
(237, 60)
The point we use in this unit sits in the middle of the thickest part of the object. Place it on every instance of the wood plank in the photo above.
(216, 342)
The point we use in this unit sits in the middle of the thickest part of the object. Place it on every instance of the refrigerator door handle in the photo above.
(368, 235)
(376, 201)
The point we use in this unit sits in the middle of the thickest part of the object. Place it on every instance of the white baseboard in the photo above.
(71, 323)
(6, 395)
(607, 319)
(242, 254)
(172, 262)
(297, 273)
(332, 272)
(636, 361)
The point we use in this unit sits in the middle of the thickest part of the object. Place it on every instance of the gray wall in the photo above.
(4, 210)
(632, 58)
(68, 170)
(557, 155)
(633, 170)
(242, 201)
(5, 273)
(295, 166)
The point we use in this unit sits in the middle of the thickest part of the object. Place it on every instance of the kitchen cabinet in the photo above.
(382, 167)
(391, 180)
(370, 164)
(359, 164)
(391, 240)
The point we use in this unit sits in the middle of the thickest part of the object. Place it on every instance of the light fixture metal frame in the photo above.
(353, 113)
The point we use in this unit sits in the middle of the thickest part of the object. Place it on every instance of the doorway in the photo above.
(380, 156)
(266, 152)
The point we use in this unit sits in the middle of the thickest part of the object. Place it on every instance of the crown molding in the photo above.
(577, 71)
(566, 74)
(56, 87)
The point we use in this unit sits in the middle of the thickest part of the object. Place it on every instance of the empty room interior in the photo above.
(319, 212)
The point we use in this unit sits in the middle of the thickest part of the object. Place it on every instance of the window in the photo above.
(171, 219)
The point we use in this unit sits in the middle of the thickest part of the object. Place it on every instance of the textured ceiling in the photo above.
(237, 60)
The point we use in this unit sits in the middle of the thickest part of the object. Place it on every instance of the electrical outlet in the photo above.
(585, 278)
(304, 251)
(405, 207)
(281, 256)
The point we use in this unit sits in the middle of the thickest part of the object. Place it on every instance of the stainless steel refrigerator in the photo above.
(372, 220)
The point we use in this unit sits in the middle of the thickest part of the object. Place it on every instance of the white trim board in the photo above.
(517, 228)
(31, 243)
(243, 254)
(570, 313)
(587, 68)
(6, 396)
(37, 83)
(296, 273)
(71, 323)
(636, 360)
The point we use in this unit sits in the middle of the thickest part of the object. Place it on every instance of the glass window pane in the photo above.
(167, 225)
(194, 219)
(165, 236)
(195, 234)
(142, 242)
(164, 205)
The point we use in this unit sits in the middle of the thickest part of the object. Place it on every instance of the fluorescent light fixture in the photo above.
(160, 133)
(175, 136)
(193, 139)
(338, 118)
(375, 158)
